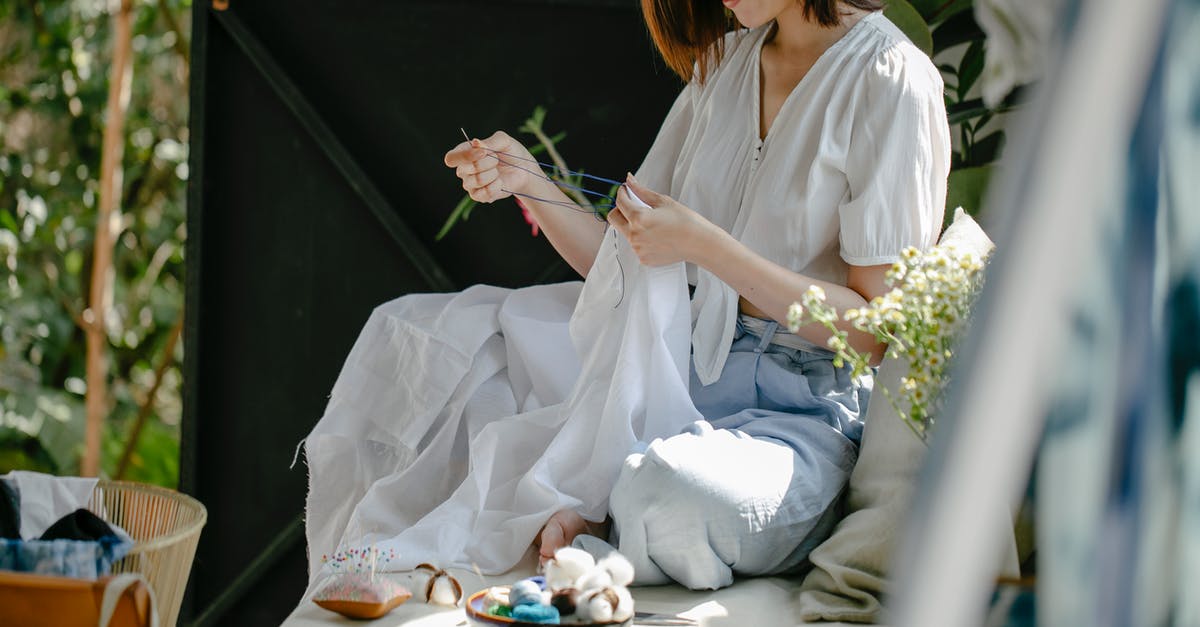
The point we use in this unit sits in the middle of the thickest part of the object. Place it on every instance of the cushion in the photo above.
(359, 595)
(849, 573)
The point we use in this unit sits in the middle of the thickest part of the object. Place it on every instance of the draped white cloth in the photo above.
(461, 422)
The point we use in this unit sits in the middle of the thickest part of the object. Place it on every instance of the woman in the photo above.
(807, 150)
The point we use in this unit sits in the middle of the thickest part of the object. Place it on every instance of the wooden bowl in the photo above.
(477, 615)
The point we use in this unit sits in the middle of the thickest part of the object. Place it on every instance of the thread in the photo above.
(595, 211)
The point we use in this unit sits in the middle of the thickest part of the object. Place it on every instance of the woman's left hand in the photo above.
(666, 233)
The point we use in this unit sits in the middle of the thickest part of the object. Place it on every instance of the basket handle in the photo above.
(113, 592)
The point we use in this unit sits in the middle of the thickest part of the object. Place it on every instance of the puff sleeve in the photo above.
(897, 160)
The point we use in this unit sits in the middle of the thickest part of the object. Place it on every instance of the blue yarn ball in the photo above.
(545, 614)
(540, 580)
(524, 592)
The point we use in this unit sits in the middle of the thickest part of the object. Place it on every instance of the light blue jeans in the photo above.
(751, 489)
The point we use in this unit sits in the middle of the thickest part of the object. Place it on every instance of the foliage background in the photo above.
(54, 66)
(54, 71)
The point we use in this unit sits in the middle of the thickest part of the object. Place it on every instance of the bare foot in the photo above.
(561, 530)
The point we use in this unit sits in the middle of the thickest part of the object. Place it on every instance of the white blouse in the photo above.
(852, 170)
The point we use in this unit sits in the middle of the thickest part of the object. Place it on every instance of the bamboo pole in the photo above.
(107, 220)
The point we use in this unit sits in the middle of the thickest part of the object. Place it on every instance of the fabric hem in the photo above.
(870, 261)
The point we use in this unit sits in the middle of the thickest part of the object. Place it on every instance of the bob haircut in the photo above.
(690, 34)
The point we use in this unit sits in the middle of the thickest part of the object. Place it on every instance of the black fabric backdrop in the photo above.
(286, 258)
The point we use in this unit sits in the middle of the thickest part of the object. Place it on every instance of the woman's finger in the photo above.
(626, 202)
(463, 154)
(478, 178)
(499, 142)
(647, 195)
(616, 217)
(493, 191)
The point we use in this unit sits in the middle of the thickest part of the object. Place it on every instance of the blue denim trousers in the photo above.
(753, 488)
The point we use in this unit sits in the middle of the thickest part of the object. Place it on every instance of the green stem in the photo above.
(536, 129)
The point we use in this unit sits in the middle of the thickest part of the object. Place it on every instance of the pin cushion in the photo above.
(359, 595)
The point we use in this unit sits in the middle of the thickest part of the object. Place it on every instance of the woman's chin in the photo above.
(751, 21)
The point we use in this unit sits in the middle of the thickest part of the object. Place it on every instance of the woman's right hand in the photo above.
(493, 168)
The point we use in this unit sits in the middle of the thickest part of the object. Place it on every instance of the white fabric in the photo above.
(852, 170)
(46, 498)
(461, 422)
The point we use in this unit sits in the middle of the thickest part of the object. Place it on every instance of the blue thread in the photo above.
(563, 170)
(543, 175)
(569, 205)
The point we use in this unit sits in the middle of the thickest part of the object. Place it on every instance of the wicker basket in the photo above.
(165, 526)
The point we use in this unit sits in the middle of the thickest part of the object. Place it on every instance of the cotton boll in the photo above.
(565, 600)
(496, 595)
(618, 568)
(598, 606)
(624, 609)
(567, 565)
(594, 579)
(445, 591)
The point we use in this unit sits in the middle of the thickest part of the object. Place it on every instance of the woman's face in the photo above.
(755, 13)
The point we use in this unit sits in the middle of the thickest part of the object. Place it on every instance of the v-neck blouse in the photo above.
(852, 170)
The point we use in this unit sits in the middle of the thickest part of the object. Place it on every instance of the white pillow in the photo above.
(849, 575)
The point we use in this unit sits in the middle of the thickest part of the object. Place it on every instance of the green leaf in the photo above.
(934, 11)
(538, 148)
(966, 187)
(460, 212)
(986, 150)
(960, 112)
(956, 30)
(970, 68)
(19, 451)
(927, 8)
(7, 221)
(910, 22)
(952, 8)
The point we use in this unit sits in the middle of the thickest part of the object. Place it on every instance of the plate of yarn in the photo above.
(576, 589)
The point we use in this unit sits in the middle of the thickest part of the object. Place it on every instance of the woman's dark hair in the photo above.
(692, 32)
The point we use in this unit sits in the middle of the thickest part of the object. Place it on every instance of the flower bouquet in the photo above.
(920, 319)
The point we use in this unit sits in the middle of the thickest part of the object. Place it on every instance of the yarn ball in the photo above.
(540, 580)
(544, 614)
(500, 610)
(525, 592)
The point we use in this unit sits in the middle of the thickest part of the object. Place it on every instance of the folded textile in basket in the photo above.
(45, 529)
